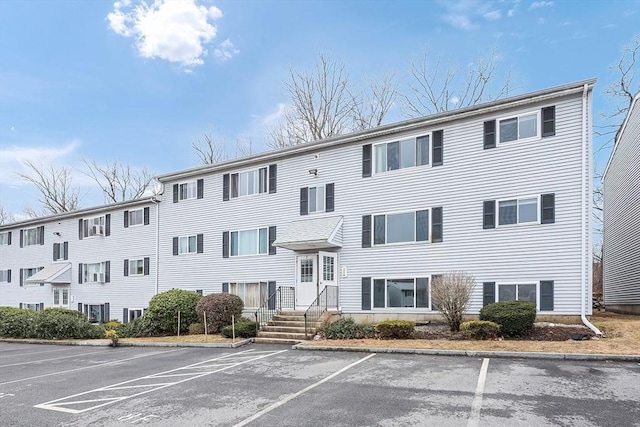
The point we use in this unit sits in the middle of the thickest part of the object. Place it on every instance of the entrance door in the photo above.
(327, 270)
(60, 297)
(307, 280)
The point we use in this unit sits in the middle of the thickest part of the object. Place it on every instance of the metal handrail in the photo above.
(327, 300)
(283, 298)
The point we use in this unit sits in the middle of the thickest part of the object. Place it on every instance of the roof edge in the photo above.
(620, 132)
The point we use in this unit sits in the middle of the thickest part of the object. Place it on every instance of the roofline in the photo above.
(79, 212)
(390, 129)
(623, 127)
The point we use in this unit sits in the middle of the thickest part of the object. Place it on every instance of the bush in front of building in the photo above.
(395, 329)
(17, 322)
(515, 318)
(347, 329)
(163, 311)
(114, 325)
(61, 323)
(143, 326)
(220, 310)
(242, 330)
(196, 328)
(480, 329)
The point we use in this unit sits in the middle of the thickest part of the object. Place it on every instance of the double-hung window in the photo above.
(188, 190)
(395, 293)
(253, 295)
(136, 217)
(518, 292)
(401, 154)
(518, 211)
(5, 276)
(94, 227)
(250, 242)
(94, 273)
(525, 126)
(136, 267)
(188, 245)
(5, 238)
(32, 236)
(401, 227)
(249, 182)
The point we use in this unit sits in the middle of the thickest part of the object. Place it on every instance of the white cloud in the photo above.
(460, 21)
(511, 13)
(177, 31)
(540, 4)
(12, 159)
(225, 50)
(493, 15)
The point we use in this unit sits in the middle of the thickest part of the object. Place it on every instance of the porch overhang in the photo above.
(311, 234)
(56, 274)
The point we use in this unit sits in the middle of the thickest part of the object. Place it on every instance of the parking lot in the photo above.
(261, 385)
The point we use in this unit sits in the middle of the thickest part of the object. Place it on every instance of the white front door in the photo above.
(60, 297)
(306, 280)
(327, 269)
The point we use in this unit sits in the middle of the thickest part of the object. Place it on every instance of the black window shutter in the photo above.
(304, 201)
(21, 238)
(41, 306)
(225, 244)
(126, 267)
(9, 275)
(271, 290)
(546, 295)
(225, 288)
(9, 238)
(80, 229)
(175, 246)
(366, 231)
(366, 293)
(366, 160)
(80, 307)
(436, 225)
(489, 214)
(146, 266)
(107, 272)
(234, 185)
(549, 121)
(488, 293)
(199, 291)
(65, 249)
(126, 219)
(145, 214)
(225, 187)
(438, 148)
(86, 310)
(107, 225)
(489, 134)
(273, 178)
(22, 277)
(56, 251)
(548, 208)
(20, 305)
(272, 238)
(175, 193)
(80, 273)
(200, 243)
(41, 234)
(125, 315)
(200, 188)
(106, 313)
(329, 197)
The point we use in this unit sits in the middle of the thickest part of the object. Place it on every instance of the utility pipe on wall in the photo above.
(157, 203)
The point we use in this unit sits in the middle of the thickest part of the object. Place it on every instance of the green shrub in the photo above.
(347, 329)
(113, 325)
(18, 323)
(515, 318)
(61, 323)
(164, 307)
(480, 329)
(395, 329)
(141, 327)
(196, 329)
(220, 309)
(243, 330)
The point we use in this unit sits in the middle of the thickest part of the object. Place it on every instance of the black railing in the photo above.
(327, 300)
(284, 298)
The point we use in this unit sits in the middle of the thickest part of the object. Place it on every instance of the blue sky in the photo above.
(139, 82)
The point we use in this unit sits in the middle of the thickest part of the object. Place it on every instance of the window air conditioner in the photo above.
(98, 277)
(97, 230)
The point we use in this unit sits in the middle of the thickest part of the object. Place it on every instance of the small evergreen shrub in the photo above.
(196, 329)
(143, 326)
(480, 329)
(220, 310)
(18, 323)
(61, 323)
(395, 329)
(347, 329)
(243, 330)
(515, 318)
(163, 311)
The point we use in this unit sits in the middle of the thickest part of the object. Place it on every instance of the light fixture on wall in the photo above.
(313, 172)
(56, 233)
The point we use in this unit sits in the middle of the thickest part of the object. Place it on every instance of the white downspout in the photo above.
(584, 297)
(157, 275)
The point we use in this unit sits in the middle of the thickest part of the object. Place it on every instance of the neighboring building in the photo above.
(499, 190)
(621, 212)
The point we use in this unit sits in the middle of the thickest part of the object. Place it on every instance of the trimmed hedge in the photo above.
(515, 318)
(51, 323)
(18, 323)
(220, 309)
(480, 329)
(143, 326)
(347, 329)
(163, 311)
(243, 330)
(395, 329)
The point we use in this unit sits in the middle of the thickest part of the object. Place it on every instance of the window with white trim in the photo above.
(316, 199)
(188, 190)
(5, 276)
(250, 182)
(518, 292)
(94, 227)
(253, 294)
(28, 272)
(402, 154)
(250, 242)
(94, 273)
(134, 313)
(60, 296)
(188, 244)
(400, 293)
(5, 238)
(518, 211)
(136, 217)
(32, 306)
(524, 126)
(136, 267)
(96, 313)
(30, 236)
(402, 227)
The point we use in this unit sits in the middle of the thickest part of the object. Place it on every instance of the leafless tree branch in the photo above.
(5, 216)
(57, 195)
(119, 182)
(209, 150)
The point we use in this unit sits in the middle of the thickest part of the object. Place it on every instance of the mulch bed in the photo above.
(437, 331)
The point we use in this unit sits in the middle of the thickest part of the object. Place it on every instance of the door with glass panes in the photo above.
(60, 296)
(313, 273)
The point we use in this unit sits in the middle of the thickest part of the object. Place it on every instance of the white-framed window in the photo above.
(250, 242)
(96, 313)
(518, 292)
(134, 313)
(60, 296)
(521, 210)
(136, 217)
(402, 154)
(28, 272)
(188, 244)
(94, 273)
(188, 190)
(94, 227)
(5, 238)
(316, 199)
(136, 267)
(249, 182)
(522, 127)
(5, 276)
(253, 294)
(401, 227)
(31, 236)
(32, 306)
(400, 293)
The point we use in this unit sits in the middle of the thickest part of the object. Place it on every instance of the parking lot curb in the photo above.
(107, 343)
(478, 353)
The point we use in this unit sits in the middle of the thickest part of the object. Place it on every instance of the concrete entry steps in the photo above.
(286, 327)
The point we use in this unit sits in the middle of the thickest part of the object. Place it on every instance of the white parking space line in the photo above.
(301, 392)
(98, 365)
(476, 406)
(63, 404)
(6, 352)
(48, 360)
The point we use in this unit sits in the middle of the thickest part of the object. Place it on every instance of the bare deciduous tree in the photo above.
(119, 182)
(450, 294)
(209, 150)
(436, 87)
(57, 195)
(5, 216)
